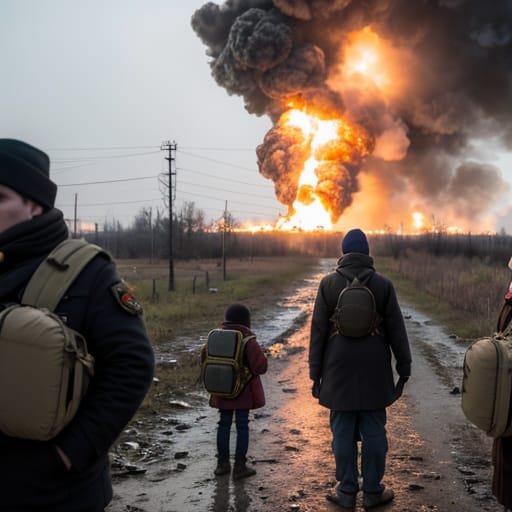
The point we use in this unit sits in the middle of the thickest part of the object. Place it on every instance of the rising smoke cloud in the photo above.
(449, 83)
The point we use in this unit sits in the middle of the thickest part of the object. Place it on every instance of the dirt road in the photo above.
(436, 461)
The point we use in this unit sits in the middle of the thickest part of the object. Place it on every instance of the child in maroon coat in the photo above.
(238, 317)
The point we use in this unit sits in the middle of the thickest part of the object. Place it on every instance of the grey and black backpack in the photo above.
(356, 313)
(223, 371)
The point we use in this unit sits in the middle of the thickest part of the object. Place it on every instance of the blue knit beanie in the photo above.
(355, 241)
(238, 314)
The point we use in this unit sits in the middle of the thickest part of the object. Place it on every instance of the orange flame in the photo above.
(324, 141)
(315, 150)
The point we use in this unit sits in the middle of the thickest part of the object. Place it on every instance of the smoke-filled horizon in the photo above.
(419, 83)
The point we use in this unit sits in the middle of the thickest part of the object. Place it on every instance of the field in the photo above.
(202, 294)
(465, 294)
(175, 428)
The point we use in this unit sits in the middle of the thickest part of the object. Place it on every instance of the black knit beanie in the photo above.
(238, 314)
(26, 170)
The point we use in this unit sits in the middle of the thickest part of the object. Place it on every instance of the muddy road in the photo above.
(436, 461)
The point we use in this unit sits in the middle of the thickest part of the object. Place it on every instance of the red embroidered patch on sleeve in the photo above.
(126, 299)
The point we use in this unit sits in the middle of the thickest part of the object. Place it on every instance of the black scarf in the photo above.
(24, 245)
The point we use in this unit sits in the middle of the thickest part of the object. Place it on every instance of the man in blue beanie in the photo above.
(70, 471)
(355, 241)
(350, 365)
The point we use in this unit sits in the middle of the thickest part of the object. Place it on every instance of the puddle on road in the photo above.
(287, 313)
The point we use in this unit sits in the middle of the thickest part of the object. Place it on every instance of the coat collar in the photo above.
(355, 260)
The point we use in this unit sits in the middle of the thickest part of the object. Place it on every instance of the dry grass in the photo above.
(465, 294)
(201, 293)
(181, 313)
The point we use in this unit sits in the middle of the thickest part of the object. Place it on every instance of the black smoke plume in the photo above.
(456, 87)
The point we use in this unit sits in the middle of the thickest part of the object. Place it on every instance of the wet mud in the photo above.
(437, 461)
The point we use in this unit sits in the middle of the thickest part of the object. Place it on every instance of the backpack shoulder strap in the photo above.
(58, 270)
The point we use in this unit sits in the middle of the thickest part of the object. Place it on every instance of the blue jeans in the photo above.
(348, 427)
(224, 431)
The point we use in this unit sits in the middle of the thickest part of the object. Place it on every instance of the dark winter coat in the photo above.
(33, 477)
(502, 446)
(356, 373)
(252, 396)
(502, 470)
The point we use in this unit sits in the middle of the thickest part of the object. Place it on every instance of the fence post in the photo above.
(154, 294)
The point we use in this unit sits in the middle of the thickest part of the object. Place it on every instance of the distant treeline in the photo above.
(192, 238)
(488, 248)
(200, 244)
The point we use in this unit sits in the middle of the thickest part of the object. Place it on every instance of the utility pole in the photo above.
(171, 147)
(74, 222)
(224, 241)
(152, 241)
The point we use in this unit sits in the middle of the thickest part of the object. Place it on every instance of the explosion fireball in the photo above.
(376, 105)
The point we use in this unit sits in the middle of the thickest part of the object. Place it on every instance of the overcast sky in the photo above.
(100, 84)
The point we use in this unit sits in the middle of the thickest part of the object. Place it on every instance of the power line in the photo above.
(101, 148)
(199, 148)
(108, 148)
(221, 177)
(114, 203)
(109, 157)
(223, 189)
(238, 192)
(228, 164)
(108, 181)
(194, 194)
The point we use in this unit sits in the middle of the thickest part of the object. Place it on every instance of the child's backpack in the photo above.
(44, 365)
(356, 314)
(223, 369)
(487, 384)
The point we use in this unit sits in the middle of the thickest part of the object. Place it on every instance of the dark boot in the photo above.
(345, 500)
(223, 468)
(242, 470)
(372, 500)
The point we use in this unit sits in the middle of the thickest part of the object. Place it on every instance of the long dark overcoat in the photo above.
(356, 373)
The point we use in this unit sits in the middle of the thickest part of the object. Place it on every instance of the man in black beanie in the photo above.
(350, 366)
(70, 472)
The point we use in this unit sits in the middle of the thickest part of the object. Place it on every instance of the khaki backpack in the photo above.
(44, 365)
